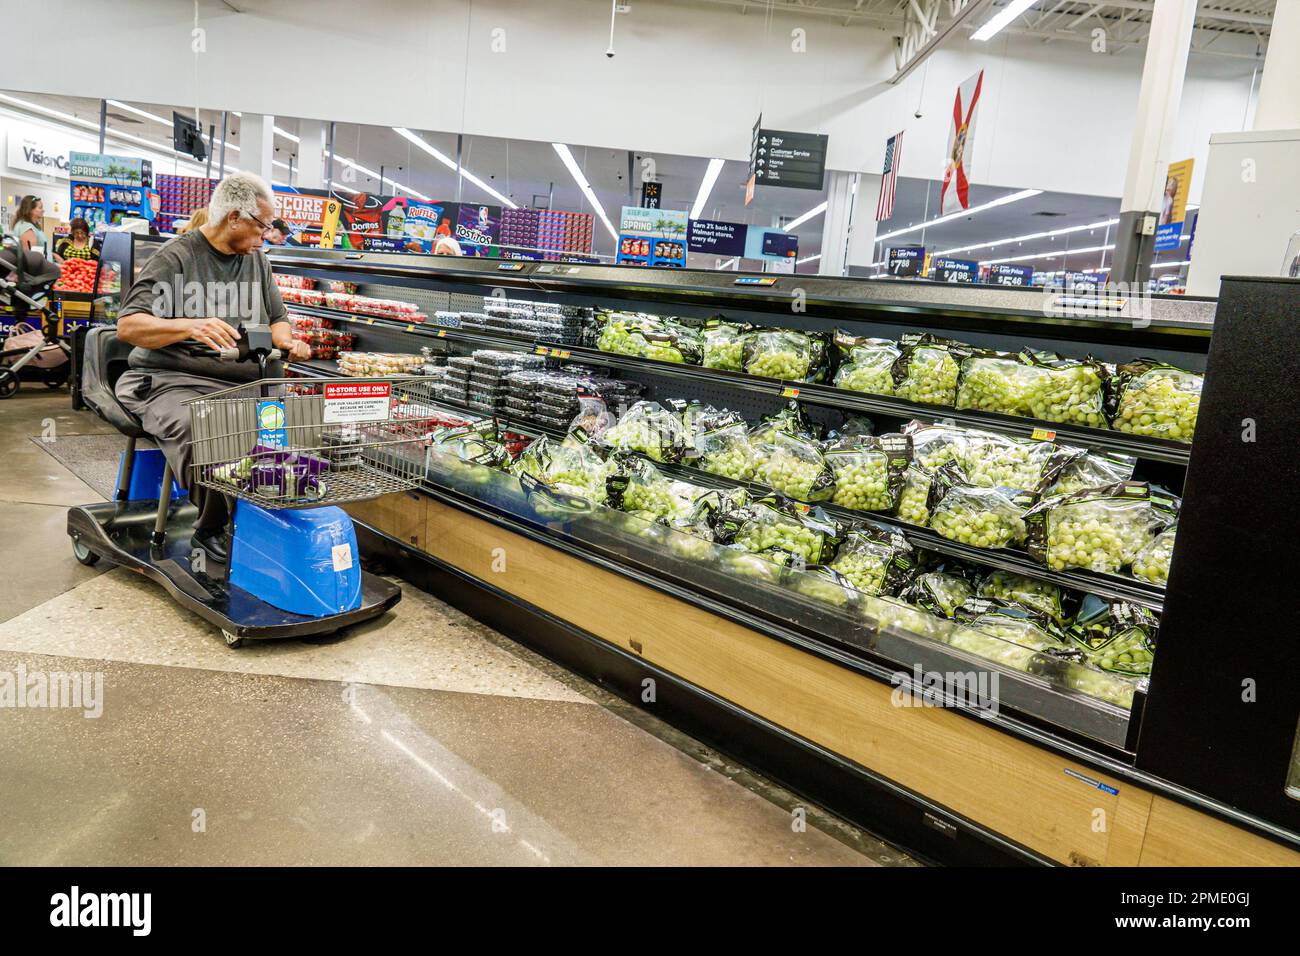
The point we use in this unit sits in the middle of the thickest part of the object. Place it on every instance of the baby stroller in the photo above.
(35, 354)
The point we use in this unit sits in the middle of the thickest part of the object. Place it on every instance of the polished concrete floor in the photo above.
(421, 738)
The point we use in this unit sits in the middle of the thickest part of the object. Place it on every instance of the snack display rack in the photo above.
(808, 690)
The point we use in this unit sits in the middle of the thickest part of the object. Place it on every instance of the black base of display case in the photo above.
(919, 826)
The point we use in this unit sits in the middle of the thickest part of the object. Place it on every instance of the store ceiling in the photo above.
(531, 173)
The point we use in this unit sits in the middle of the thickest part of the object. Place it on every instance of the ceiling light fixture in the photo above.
(1065, 230)
(1000, 19)
(1050, 254)
(812, 258)
(567, 158)
(447, 161)
(814, 211)
(1002, 201)
(706, 187)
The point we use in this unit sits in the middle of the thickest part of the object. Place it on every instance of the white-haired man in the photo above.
(185, 307)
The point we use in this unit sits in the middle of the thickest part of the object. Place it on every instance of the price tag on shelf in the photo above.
(442, 333)
(789, 393)
(370, 321)
(801, 507)
(410, 327)
(559, 353)
(541, 350)
(1043, 434)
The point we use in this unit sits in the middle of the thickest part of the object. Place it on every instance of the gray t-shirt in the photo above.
(188, 279)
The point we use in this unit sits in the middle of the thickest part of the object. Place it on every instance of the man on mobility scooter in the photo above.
(187, 306)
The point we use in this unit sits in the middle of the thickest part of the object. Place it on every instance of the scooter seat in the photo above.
(103, 361)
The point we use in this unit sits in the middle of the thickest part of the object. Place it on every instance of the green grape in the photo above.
(863, 484)
(993, 647)
(786, 365)
(1114, 688)
(761, 567)
(1101, 536)
(788, 473)
(1072, 395)
(1162, 403)
(787, 535)
(1029, 592)
(820, 588)
(931, 377)
(948, 591)
(1129, 651)
(965, 521)
(1152, 562)
(913, 504)
(663, 353)
(1003, 464)
(864, 569)
(860, 377)
(693, 547)
(995, 385)
(729, 355)
(653, 499)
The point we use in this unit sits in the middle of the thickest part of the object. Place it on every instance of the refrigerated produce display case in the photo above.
(904, 547)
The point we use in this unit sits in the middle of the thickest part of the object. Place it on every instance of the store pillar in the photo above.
(1279, 87)
(311, 154)
(1161, 92)
(257, 144)
(849, 223)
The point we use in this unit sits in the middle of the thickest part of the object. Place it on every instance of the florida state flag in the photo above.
(955, 194)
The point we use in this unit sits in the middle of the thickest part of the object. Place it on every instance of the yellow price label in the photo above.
(1043, 434)
(559, 353)
(442, 333)
(541, 350)
(370, 321)
(789, 393)
(410, 328)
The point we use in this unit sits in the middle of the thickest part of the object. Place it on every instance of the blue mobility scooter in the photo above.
(288, 451)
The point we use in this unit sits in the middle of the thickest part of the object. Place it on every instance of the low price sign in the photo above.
(1008, 273)
(905, 260)
(955, 270)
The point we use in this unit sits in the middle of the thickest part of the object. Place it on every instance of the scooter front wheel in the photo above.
(9, 383)
(83, 554)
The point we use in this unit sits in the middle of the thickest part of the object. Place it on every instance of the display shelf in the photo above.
(1151, 449)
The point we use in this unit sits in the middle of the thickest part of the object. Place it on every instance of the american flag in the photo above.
(893, 156)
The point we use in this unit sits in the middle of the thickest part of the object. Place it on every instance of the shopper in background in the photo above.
(197, 218)
(175, 331)
(447, 246)
(279, 233)
(78, 244)
(27, 226)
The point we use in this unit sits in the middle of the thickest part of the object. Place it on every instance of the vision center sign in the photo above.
(33, 149)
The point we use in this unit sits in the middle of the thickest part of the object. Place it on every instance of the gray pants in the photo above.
(158, 399)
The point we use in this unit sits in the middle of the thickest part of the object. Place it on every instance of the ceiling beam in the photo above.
(922, 52)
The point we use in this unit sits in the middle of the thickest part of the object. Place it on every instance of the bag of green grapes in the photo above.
(1098, 529)
(823, 584)
(649, 428)
(1092, 470)
(1020, 589)
(767, 566)
(914, 497)
(935, 445)
(639, 488)
(786, 354)
(939, 592)
(1116, 636)
(927, 368)
(1157, 400)
(573, 468)
(794, 466)
(726, 451)
(1152, 562)
(724, 344)
(875, 561)
(476, 444)
(994, 381)
(622, 332)
(791, 419)
(974, 515)
(865, 364)
(774, 521)
(869, 473)
(1024, 626)
(699, 419)
(993, 460)
(1068, 390)
(671, 341)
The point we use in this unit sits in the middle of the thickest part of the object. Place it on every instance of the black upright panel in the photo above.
(1225, 693)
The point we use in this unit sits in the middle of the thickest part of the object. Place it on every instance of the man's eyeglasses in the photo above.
(265, 228)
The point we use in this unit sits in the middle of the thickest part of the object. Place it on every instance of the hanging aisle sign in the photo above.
(955, 194)
(783, 158)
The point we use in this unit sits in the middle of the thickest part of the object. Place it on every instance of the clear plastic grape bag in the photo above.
(1097, 529)
(1157, 400)
(976, 516)
(1067, 390)
(875, 561)
(914, 497)
(823, 584)
(572, 467)
(786, 354)
(638, 487)
(794, 466)
(1093, 470)
(928, 368)
(939, 592)
(726, 451)
(1029, 592)
(869, 473)
(865, 364)
(724, 344)
(774, 522)
(651, 429)
(1151, 564)
(1116, 636)
(996, 382)
(991, 460)
(935, 445)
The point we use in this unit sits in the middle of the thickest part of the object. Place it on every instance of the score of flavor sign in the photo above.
(365, 221)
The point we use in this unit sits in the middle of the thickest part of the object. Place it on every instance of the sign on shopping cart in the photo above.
(356, 402)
